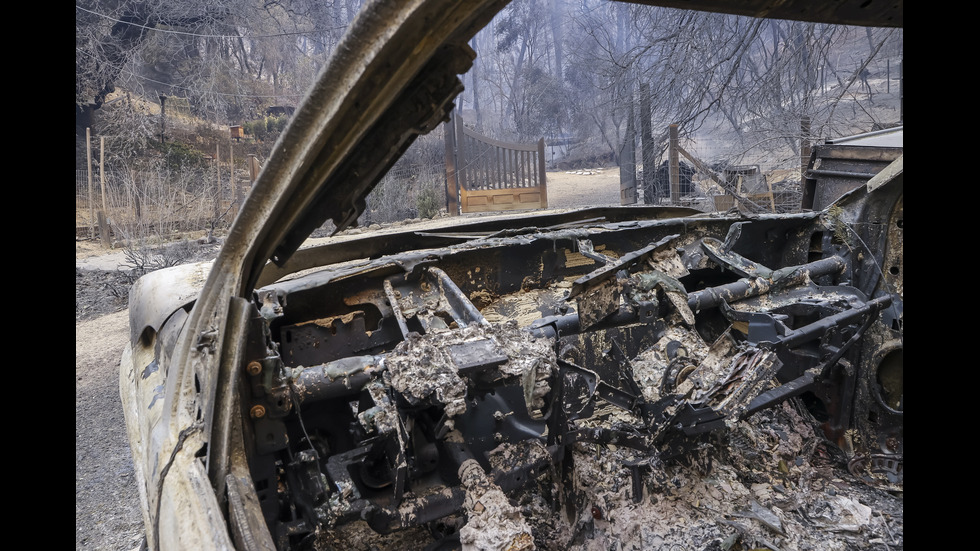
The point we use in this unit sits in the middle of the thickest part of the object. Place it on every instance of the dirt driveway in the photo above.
(106, 499)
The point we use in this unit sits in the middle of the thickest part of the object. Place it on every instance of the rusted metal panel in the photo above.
(835, 169)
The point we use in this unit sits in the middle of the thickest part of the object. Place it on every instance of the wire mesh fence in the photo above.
(150, 205)
(718, 173)
(726, 176)
(414, 187)
(161, 204)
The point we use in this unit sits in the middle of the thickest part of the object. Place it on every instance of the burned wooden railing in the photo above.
(484, 174)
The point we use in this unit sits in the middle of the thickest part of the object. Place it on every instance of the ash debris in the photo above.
(770, 483)
(429, 369)
(493, 523)
(423, 372)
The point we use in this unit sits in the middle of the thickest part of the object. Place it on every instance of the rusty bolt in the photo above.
(596, 512)
(257, 411)
(254, 368)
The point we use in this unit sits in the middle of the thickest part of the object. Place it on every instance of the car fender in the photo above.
(157, 295)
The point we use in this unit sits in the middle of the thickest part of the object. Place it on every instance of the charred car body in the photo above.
(268, 402)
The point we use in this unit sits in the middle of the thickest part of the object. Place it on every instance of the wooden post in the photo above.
(137, 199)
(459, 142)
(804, 147)
(103, 229)
(163, 119)
(104, 215)
(675, 167)
(217, 184)
(105, 206)
(253, 168)
(888, 76)
(231, 177)
(627, 163)
(542, 175)
(452, 189)
(91, 206)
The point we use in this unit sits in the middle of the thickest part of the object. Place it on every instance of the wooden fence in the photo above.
(484, 174)
(128, 205)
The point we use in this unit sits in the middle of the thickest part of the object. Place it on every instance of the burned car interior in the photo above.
(385, 381)
(370, 388)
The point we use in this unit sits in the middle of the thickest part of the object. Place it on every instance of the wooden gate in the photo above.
(484, 174)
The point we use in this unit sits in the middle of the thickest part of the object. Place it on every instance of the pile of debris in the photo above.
(770, 483)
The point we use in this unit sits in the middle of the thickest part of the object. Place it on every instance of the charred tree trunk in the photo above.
(627, 161)
(647, 146)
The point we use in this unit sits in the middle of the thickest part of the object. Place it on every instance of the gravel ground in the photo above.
(106, 499)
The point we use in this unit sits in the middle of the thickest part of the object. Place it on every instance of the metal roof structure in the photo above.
(889, 137)
(865, 13)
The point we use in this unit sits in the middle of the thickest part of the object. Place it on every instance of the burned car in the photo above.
(409, 380)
